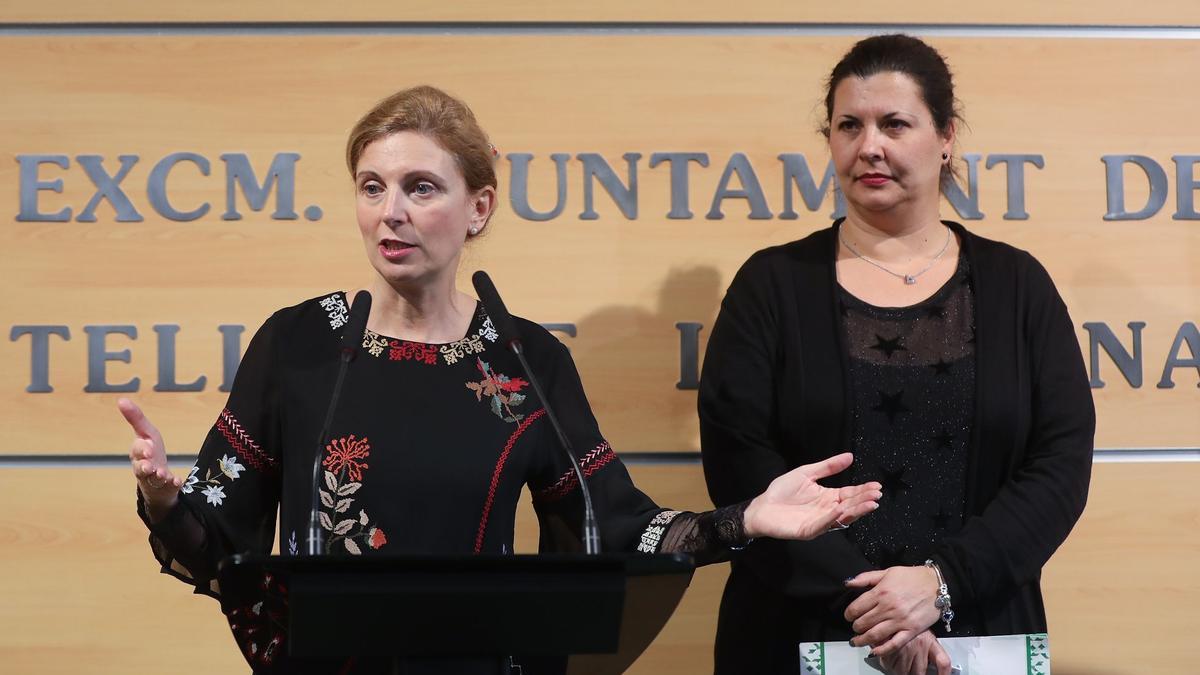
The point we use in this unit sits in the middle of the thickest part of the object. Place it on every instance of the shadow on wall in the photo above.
(629, 359)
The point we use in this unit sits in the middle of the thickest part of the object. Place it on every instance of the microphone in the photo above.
(356, 325)
(511, 338)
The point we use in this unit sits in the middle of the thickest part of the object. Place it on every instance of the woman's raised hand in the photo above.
(148, 454)
(795, 506)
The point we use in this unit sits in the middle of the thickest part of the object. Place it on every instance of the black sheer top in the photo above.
(912, 386)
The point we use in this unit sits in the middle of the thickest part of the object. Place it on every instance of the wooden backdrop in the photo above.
(80, 585)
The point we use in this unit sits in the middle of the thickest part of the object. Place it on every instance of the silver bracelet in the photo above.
(942, 601)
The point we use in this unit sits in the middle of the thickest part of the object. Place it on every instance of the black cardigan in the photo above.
(773, 397)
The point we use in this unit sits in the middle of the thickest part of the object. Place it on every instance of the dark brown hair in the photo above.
(908, 55)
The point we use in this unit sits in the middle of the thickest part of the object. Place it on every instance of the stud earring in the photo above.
(473, 231)
(945, 156)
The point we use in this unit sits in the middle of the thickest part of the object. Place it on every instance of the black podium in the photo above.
(599, 611)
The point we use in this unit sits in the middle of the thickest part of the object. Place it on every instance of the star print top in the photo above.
(429, 449)
(912, 383)
(777, 392)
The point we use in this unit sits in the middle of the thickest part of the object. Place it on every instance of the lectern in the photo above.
(599, 612)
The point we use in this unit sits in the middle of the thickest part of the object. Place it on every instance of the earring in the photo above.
(945, 156)
(473, 231)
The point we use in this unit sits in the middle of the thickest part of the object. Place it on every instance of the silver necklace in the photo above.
(909, 279)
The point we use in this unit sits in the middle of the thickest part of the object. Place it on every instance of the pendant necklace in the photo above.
(909, 279)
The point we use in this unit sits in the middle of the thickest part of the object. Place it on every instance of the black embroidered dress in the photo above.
(431, 446)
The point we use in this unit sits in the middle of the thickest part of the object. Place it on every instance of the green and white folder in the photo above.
(993, 655)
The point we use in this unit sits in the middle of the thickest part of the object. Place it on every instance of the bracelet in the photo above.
(942, 601)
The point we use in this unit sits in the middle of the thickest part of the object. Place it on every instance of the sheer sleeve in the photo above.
(709, 537)
(229, 499)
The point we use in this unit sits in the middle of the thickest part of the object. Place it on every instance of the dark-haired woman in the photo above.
(437, 431)
(947, 363)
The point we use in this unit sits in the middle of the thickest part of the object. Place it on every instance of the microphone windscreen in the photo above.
(356, 324)
(494, 306)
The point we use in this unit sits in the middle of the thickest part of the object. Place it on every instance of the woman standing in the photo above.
(947, 363)
(437, 431)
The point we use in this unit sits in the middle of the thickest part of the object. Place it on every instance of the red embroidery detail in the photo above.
(592, 462)
(491, 497)
(260, 628)
(342, 454)
(403, 350)
(241, 442)
(377, 538)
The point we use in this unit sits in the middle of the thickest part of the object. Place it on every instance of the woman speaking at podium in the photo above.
(437, 429)
(946, 362)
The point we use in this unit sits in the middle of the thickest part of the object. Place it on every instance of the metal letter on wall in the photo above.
(966, 204)
(1185, 187)
(30, 186)
(1100, 336)
(518, 190)
(39, 354)
(679, 161)
(231, 353)
(625, 197)
(751, 190)
(108, 187)
(98, 358)
(1015, 170)
(156, 186)
(1114, 178)
(166, 362)
(689, 354)
(1189, 334)
(796, 173)
(239, 172)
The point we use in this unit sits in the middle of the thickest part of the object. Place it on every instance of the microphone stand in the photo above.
(591, 531)
(356, 323)
(508, 329)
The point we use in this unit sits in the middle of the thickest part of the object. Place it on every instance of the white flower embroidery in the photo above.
(293, 547)
(214, 494)
(230, 467)
(192, 479)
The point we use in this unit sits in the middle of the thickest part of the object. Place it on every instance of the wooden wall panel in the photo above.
(1069, 12)
(623, 282)
(80, 585)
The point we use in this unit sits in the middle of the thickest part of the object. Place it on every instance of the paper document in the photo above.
(993, 655)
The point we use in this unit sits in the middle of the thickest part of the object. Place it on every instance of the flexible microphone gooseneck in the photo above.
(352, 336)
(511, 339)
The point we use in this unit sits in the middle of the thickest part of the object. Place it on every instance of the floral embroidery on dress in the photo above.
(373, 342)
(260, 628)
(293, 545)
(343, 477)
(393, 349)
(653, 534)
(403, 350)
(214, 492)
(336, 308)
(456, 351)
(502, 390)
(192, 479)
